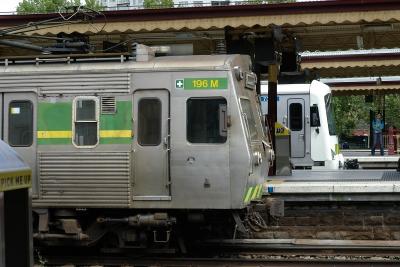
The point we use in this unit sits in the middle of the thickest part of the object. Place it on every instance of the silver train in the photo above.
(135, 149)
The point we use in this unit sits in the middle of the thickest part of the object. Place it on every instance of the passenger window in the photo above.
(206, 120)
(149, 124)
(20, 123)
(86, 118)
(296, 117)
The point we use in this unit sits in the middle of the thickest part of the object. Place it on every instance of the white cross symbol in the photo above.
(179, 84)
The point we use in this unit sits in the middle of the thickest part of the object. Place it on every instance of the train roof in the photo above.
(289, 89)
(165, 63)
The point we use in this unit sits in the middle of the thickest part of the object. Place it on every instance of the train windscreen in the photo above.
(329, 114)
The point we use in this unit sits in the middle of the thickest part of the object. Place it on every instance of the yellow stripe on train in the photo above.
(53, 134)
(115, 133)
(68, 134)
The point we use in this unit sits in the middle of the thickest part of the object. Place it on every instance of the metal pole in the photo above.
(2, 238)
(272, 106)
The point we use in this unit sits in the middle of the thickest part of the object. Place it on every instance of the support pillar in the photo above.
(18, 228)
(2, 232)
(16, 244)
(272, 107)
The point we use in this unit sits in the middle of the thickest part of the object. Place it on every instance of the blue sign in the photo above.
(264, 98)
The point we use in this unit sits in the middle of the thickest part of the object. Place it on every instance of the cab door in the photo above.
(19, 128)
(151, 145)
(296, 125)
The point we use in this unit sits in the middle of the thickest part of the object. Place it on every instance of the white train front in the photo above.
(306, 109)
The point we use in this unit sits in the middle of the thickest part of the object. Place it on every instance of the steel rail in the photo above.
(247, 252)
(268, 261)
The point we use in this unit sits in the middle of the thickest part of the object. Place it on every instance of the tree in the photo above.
(351, 112)
(392, 110)
(158, 3)
(93, 4)
(47, 6)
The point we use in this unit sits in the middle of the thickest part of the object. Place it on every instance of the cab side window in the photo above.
(206, 120)
(20, 124)
(86, 121)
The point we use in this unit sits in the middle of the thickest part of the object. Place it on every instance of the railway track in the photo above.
(244, 253)
(194, 262)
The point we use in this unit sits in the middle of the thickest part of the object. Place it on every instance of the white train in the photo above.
(306, 109)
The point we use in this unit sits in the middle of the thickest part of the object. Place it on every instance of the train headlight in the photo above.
(238, 73)
(257, 157)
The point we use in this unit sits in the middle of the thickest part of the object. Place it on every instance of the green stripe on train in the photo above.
(57, 117)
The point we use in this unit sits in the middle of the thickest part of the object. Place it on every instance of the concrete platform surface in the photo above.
(341, 181)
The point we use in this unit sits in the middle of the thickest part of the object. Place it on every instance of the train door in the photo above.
(151, 145)
(19, 128)
(296, 125)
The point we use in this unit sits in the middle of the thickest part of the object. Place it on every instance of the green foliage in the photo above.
(93, 4)
(392, 111)
(47, 6)
(158, 3)
(351, 112)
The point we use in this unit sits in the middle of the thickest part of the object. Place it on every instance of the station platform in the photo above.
(340, 185)
(367, 161)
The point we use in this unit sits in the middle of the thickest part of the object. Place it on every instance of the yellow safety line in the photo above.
(15, 180)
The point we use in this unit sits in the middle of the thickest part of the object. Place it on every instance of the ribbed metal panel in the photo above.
(67, 83)
(85, 179)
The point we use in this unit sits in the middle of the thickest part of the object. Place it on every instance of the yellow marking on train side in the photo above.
(53, 134)
(68, 134)
(115, 133)
(255, 192)
(248, 194)
(15, 180)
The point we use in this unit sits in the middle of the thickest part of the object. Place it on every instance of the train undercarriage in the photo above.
(119, 229)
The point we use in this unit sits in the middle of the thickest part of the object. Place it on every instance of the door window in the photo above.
(206, 120)
(86, 121)
(149, 124)
(296, 117)
(20, 124)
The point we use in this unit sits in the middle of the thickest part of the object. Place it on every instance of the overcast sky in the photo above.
(8, 5)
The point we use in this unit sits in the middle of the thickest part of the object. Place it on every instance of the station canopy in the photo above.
(317, 25)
